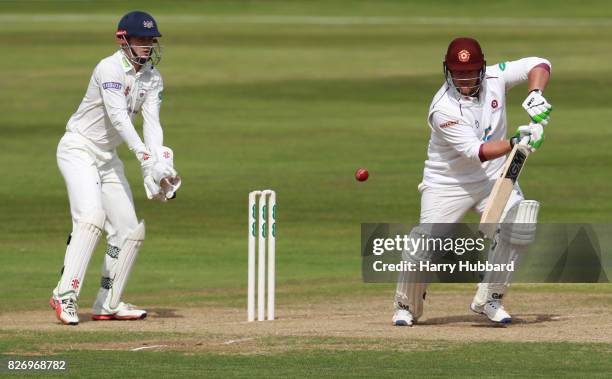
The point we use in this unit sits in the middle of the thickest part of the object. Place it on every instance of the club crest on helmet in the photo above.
(463, 56)
(139, 24)
(464, 66)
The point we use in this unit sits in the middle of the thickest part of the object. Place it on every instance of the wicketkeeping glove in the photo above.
(537, 107)
(161, 180)
(147, 161)
(532, 133)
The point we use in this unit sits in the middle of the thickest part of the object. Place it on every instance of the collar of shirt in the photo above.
(128, 66)
(469, 100)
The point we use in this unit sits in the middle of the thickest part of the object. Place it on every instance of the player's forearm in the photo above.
(538, 77)
(493, 149)
(152, 129)
(153, 135)
(122, 123)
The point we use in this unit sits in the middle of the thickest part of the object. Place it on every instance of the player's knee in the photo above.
(519, 225)
(123, 231)
(87, 227)
(137, 233)
(420, 249)
(127, 231)
(95, 217)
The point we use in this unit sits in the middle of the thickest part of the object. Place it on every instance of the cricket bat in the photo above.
(503, 188)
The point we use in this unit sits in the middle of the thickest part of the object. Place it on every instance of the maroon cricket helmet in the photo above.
(464, 54)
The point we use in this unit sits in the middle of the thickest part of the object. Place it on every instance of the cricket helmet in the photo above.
(465, 54)
(139, 24)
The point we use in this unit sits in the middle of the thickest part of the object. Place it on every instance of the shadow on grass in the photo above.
(482, 322)
(151, 313)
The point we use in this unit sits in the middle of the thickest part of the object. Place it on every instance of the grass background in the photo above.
(291, 95)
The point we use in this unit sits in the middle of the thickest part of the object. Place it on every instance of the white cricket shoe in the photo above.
(123, 312)
(65, 310)
(494, 310)
(402, 317)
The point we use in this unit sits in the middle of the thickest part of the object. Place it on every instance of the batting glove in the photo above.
(531, 135)
(537, 107)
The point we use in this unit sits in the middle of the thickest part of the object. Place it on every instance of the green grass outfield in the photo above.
(293, 96)
(560, 360)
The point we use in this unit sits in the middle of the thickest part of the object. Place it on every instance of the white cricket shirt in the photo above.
(460, 124)
(115, 95)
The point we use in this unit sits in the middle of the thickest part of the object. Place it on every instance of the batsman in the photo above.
(466, 152)
(121, 86)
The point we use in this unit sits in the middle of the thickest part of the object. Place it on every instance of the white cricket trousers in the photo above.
(449, 204)
(95, 180)
(441, 208)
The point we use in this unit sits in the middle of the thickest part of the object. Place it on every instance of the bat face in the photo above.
(502, 189)
(516, 165)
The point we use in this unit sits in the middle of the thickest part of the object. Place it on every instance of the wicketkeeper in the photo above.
(466, 151)
(122, 85)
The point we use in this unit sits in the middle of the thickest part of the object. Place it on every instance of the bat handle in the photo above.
(524, 140)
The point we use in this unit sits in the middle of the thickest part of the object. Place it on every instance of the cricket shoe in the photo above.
(494, 310)
(123, 312)
(65, 310)
(402, 317)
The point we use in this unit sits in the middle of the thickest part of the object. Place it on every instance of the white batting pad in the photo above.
(515, 233)
(125, 261)
(411, 285)
(83, 242)
(520, 223)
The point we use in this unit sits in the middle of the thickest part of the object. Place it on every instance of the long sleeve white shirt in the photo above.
(115, 95)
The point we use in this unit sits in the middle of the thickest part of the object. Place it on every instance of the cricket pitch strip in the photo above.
(545, 317)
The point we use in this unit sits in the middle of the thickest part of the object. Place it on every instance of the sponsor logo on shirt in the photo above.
(488, 134)
(111, 85)
(494, 104)
(448, 124)
(502, 66)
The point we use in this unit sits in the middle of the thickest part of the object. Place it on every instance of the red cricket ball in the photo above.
(362, 174)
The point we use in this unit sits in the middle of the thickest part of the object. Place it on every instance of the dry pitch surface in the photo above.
(364, 326)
